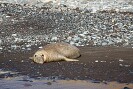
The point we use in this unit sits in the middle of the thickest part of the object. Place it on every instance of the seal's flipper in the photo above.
(67, 59)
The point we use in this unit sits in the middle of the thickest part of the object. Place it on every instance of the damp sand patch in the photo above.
(17, 83)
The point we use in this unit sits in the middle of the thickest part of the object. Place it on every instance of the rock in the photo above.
(14, 35)
(96, 61)
(120, 60)
(49, 83)
(14, 47)
(1, 48)
(71, 25)
(104, 43)
(28, 45)
(54, 38)
(0, 42)
(126, 88)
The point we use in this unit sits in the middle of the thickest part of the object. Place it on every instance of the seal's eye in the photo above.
(42, 55)
(35, 55)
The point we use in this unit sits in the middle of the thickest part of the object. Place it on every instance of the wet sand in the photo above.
(17, 83)
(96, 63)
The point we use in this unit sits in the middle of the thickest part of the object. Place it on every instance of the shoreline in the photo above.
(18, 82)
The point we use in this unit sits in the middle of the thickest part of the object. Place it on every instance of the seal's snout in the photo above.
(39, 60)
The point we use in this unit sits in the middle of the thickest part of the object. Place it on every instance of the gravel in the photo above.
(22, 26)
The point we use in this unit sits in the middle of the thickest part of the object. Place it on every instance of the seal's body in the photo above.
(56, 52)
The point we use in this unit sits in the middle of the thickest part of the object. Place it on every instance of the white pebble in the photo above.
(28, 48)
(22, 60)
(14, 34)
(86, 32)
(96, 60)
(23, 48)
(10, 60)
(15, 46)
(121, 60)
(54, 38)
(8, 16)
(126, 65)
(104, 43)
(28, 45)
(69, 38)
(40, 47)
(102, 61)
(120, 64)
(72, 43)
(82, 35)
(1, 48)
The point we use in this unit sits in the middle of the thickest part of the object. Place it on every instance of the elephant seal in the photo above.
(56, 52)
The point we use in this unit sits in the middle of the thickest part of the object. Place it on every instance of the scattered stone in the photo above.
(40, 47)
(14, 35)
(54, 38)
(126, 65)
(96, 61)
(22, 60)
(25, 24)
(28, 48)
(121, 64)
(102, 61)
(95, 81)
(28, 45)
(126, 88)
(121, 60)
(1, 48)
(49, 83)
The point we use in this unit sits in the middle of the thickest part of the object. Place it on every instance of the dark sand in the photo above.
(97, 64)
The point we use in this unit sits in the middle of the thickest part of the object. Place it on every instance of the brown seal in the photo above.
(56, 52)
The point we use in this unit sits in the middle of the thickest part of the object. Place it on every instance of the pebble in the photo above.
(15, 46)
(40, 47)
(121, 60)
(14, 35)
(23, 48)
(28, 45)
(126, 65)
(95, 81)
(22, 60)
(28, 48)
(96, 61)
(99, 28)
(0, 41)
(121, 64)
(102, 61)
(49, 83)
(126, 88)
(1, 48)
(10, 60)
(54, 38)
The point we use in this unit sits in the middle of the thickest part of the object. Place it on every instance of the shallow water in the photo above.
(19, 83)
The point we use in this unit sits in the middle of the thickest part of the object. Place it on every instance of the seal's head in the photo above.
(39, 57)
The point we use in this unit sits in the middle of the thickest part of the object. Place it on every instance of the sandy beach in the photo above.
(102, 67)
(105, 39)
